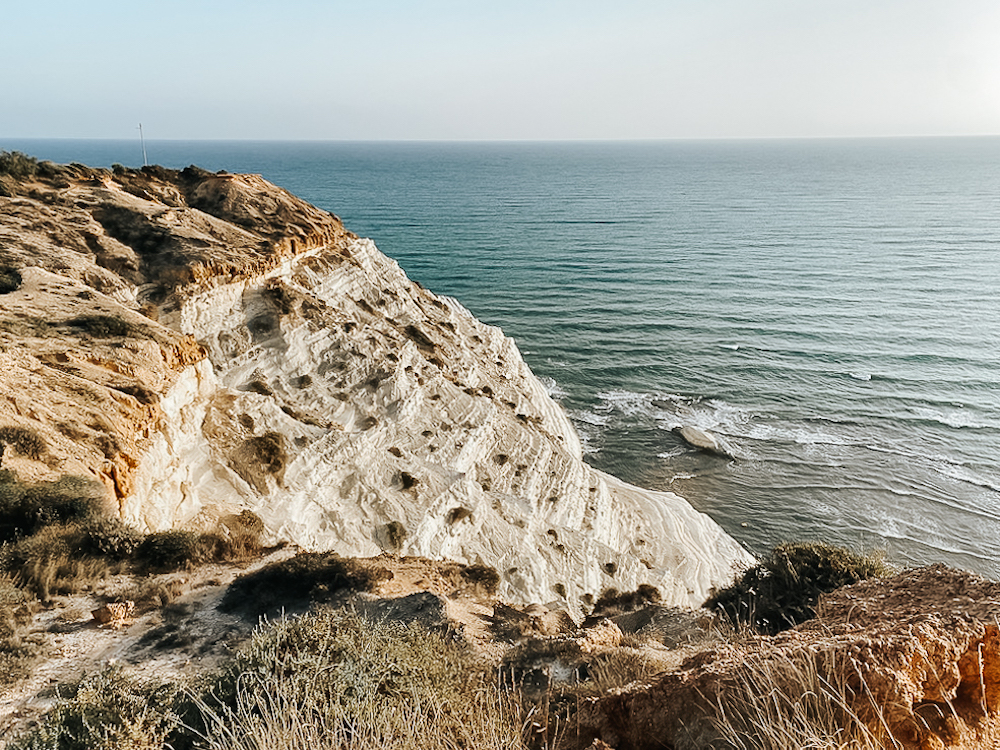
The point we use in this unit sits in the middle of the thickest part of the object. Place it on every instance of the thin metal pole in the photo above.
(143, 142)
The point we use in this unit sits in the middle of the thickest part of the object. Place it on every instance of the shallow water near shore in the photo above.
(829, 308)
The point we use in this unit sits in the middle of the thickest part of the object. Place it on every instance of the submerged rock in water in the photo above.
(706, 441)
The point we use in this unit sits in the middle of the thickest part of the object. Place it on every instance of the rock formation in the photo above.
(704, 440)
(207, 343)
(916, 656)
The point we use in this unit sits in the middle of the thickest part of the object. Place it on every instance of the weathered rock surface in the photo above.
(285, 366)
(918, 656)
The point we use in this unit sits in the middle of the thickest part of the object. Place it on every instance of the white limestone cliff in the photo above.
(353, 410)
(206, 343)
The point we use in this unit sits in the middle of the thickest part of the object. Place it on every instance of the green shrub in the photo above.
(109, 538)
(782, 590)
(299, 581)
(26, 508)
(17, 165)
(168, 550)
(106, 711)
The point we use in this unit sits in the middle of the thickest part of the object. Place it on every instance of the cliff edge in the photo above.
(204, 343)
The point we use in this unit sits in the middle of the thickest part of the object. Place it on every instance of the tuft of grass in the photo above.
(615, 602)
(789, 702)
(26, 508)
(52, 561)
(23, 440)
(782, 590)
(299, 581)
(332, 679)
(18, 651)
(10, 279)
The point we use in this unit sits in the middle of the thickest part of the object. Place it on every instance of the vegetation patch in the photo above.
(298, 582)
(332, 679)
(22, 440)
(10, 279)
(17, 165)
(782, 590)
(18, 650)
(481, 577)
(26, 508)
(173, 549)
(259, 457)
(105, 326)
(614, 602)
(107, 711)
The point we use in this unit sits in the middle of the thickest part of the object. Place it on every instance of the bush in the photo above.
(10, 279)
(26, 508)
(298, 582)
(23, 440)
(17, 165)
(106, 711)
(164, 551)
(782, 590)
(109, 538)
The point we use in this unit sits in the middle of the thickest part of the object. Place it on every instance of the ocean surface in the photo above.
(830, 308)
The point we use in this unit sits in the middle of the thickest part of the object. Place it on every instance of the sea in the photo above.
(829, 308)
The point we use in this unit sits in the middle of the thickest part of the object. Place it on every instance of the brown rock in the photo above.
(116, 614)
(916, 656)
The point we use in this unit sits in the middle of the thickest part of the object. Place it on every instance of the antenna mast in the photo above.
(143, 142)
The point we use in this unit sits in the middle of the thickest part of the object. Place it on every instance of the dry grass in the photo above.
(791, 702)
(331, 679)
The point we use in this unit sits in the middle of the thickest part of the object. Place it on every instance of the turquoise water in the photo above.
(830, 308)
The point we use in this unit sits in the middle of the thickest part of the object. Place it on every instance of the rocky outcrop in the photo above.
(704, 440)
(911, 661)
(287, 367)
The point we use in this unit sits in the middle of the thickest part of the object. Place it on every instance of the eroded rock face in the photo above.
(294, 370)
(918, 656)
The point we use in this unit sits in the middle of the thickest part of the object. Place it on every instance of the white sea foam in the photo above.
(553, 389)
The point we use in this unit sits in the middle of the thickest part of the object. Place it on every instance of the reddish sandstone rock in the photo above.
(916, 656)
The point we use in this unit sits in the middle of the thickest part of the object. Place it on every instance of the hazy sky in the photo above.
(462, 69)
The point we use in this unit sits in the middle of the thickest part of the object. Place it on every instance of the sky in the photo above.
(514, 70)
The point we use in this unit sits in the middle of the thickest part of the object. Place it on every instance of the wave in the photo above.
(552, 388)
